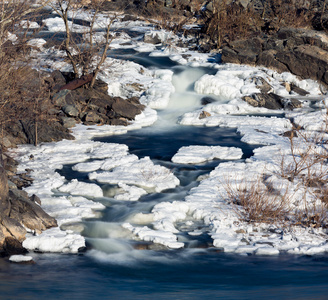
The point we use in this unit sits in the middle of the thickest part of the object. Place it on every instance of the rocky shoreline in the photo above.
(66, 107)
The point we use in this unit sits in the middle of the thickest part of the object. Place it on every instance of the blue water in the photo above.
(201, 276)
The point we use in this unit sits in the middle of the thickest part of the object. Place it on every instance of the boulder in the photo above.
(271, 101)
(92, 118)
(59, 98)
(11, 246)
(71, 110)
(125, 108)
(306, 61)
(15, 229)
(68, 122)
(28, 213)
(298, 90)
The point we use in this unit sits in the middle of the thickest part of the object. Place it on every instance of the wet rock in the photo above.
(13, 247)
(206, 100)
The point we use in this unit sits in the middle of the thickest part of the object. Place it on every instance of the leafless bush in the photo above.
(15, 97)
(86, 56)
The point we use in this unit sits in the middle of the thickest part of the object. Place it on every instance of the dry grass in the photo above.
(304, 170)
(256, 201)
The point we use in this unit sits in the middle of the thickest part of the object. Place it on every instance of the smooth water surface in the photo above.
(201, 276)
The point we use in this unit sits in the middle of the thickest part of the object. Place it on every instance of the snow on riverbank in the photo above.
(208, 202)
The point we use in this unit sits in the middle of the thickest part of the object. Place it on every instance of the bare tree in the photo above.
(90, 54)
(12, 12)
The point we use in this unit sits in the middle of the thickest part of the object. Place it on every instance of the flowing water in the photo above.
(117, 267)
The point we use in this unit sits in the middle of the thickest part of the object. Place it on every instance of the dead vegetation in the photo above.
(230, 21)
(302, 198)
(257, 202)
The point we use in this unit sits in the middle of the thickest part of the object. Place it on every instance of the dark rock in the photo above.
(55, 81)
(306, 61)
(270, 101)
(230, 56)
(35, 199)
(45, 132)
(30, 214)
(253, 46)
(125, 108)
(268, 59)
(206, 100)
(298, 90)
(101, 86)
(13, 247)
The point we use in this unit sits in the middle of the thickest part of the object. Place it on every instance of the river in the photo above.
(115, 266)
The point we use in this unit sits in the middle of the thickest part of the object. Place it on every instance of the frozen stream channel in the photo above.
(146, 202)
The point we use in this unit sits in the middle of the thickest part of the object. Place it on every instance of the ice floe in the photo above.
(20, 258)
(199, 154)
(142, 173)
